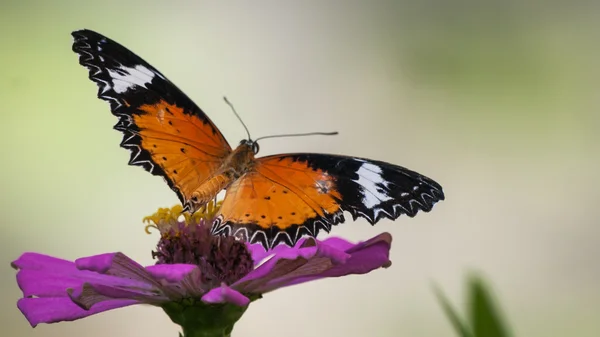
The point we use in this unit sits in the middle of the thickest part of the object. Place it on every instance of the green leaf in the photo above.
(485, 319)
(460, 327)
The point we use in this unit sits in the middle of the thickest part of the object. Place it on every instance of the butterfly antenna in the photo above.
(300, 134)
(238, 116)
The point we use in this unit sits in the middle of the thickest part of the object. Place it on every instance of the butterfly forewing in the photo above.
(165, 131)
(290, 196)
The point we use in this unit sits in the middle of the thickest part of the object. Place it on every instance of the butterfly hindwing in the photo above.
(167, 134)
(290, 196)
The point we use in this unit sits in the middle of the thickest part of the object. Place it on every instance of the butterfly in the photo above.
(269, 200)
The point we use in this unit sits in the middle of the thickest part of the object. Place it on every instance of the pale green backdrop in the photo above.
(496, 100)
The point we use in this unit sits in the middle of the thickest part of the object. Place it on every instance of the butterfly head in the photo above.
(252, 144)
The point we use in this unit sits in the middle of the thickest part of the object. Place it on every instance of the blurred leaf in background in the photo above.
(485, 318)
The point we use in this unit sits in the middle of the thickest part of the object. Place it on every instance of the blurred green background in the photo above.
(496, 100)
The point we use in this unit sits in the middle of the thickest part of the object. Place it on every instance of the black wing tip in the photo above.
(80, 44)
(441, 196)
(80, 33)
(89, 58)
(82, 38)
(85, 34)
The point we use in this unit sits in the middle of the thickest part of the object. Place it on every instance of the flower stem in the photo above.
(206, 333)
(204, 320)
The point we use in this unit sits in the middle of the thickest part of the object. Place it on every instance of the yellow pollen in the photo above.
(169, 217)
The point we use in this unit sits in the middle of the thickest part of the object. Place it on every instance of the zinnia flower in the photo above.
(204, 283)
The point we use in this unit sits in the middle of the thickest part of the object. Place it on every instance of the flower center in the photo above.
(188, 240)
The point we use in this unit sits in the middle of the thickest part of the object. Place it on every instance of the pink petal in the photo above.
(184, 280)
(170, 272)
(35, 261)
(44, 276)
(52, 281)
(364, 258)
(338, 243)
(224, 294)
(116, 264)
(89, 295)
(315, 259)
(57, 309)
(259, 253)
(286, 260)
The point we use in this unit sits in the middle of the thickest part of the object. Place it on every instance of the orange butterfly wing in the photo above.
(290, 196)
(167, 134)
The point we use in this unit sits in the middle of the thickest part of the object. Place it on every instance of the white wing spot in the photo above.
(138, 76)
(369, 176)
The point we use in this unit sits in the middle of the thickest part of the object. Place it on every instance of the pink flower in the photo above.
(217, 276)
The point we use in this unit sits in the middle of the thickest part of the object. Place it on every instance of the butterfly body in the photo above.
(238, 163)
(271, 200)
